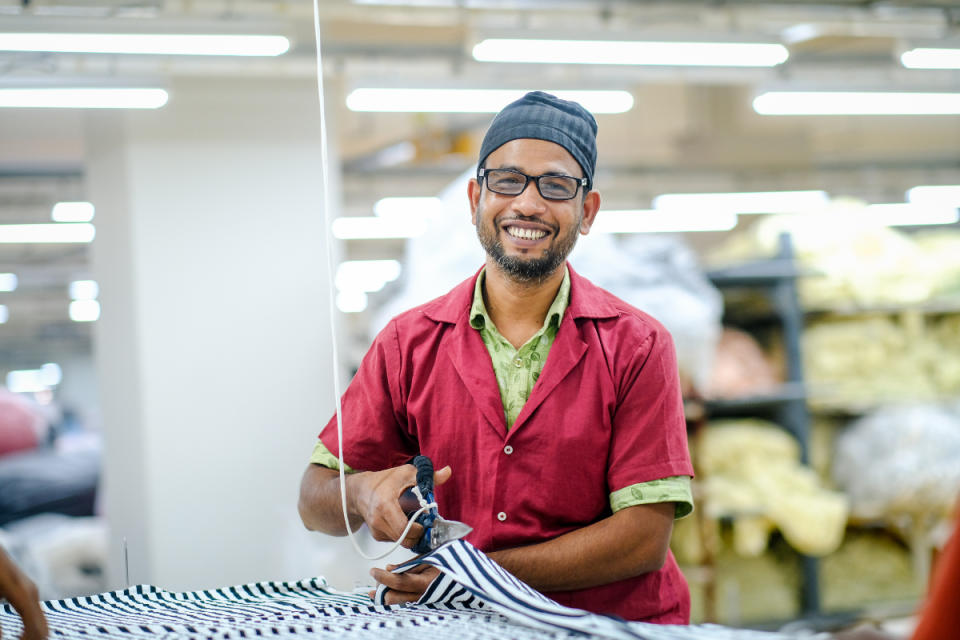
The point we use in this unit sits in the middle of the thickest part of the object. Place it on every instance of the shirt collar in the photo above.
(478, 310)
(586, 301)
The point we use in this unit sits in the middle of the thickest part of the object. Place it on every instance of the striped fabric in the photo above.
(474, 599)
(466, 571)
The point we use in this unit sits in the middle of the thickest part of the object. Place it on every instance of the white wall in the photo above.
(213, 344)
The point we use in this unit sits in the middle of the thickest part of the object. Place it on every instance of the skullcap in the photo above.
(543, 116)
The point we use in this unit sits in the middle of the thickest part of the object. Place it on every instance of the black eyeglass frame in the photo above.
(581, 182)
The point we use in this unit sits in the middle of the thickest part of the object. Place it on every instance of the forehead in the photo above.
(534, 157)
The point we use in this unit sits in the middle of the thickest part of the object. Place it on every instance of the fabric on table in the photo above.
(474, 599)
(466, 572)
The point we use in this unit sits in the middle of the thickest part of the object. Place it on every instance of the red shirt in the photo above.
(606, 413)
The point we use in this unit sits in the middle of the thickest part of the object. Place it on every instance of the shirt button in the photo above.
(518, 362)
(501, 516)
(508, 449)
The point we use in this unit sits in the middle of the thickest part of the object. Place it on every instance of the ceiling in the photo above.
(692, 129)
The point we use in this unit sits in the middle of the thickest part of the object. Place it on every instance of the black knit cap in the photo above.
(543, 116)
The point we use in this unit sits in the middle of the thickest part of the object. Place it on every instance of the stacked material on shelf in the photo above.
(856, 362)
(901, 464)
(740, 368)
(751, 471)
(860, 263)
(945, 366)
(871, 566)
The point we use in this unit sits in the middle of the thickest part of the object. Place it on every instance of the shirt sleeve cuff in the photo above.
(674, 489)
(322, 456)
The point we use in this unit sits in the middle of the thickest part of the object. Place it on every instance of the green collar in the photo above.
(478, 311)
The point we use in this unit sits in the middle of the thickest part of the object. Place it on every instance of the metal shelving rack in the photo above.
(777, 277)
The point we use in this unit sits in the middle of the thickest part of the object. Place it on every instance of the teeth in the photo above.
(526, 234)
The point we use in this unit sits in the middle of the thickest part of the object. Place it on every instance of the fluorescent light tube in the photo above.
(744, 203)
(51, 373)
(84, 98)
(366, 275)
(910, 214)
(72, 212)
(408, 208)
(84, 290)
(8, 282)
(474, 100)
(945, 195)
(351, 301)
(701, 54)
(26, 381)
(84, 310)
(652, 221)
(56, 233)
(374, 228)
(4, 314)
(851, 103)
(146, 43)
(922, 58)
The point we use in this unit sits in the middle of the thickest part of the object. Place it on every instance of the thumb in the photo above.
(439, 477)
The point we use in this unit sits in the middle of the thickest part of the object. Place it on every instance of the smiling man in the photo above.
(553, 406)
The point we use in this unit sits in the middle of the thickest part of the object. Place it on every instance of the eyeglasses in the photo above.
(508, 182)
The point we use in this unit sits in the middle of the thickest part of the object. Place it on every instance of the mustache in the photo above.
(522, 218)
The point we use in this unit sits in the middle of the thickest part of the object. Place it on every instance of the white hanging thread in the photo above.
(325, 183)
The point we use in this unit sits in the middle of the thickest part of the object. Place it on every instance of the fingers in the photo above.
(405, 587)
(400, 597)
(439, 477)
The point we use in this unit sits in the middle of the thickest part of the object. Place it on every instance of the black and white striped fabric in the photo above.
(467, 572)
(474, 599)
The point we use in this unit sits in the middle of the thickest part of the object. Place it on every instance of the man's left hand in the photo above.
(407, 586)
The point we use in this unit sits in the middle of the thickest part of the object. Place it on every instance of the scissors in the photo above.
(437, 530)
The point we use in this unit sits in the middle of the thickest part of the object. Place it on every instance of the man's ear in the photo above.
(591, 205)
(473, 193)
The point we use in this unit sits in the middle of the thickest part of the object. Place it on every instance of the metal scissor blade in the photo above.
(447, 530)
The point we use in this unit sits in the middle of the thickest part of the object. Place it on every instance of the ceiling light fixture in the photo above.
(745, 202)
(853, 103)
(8, 282)
(147, 43)
(619, 52)
(72, 212)
(474, 100)
(407, 208)
(653, 221)
(84, 98)
(57, 233)
(910, 214)
(84, 290)
(923, 58)
(944, 195)
(351, 301)
(366, 275)
(374, 228)
(84, 310)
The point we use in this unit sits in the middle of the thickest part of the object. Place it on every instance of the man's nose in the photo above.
(529, 201)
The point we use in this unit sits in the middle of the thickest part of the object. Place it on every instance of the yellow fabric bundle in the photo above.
(751, 471)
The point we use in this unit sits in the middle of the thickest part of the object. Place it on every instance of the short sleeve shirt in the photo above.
(605, 414)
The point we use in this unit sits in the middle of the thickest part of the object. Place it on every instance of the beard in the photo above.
(523, 269)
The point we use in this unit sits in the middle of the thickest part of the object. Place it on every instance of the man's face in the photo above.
(528, 236)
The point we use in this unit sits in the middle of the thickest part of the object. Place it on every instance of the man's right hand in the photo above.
(372, 497)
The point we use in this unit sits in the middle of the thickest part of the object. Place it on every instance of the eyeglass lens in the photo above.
(511, 183)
